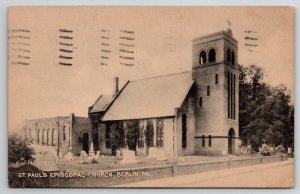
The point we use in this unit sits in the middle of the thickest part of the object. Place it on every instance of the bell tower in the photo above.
(216, 75)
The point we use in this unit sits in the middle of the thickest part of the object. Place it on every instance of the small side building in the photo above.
(64, 133)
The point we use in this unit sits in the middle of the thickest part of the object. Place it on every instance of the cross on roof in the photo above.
(229, 23)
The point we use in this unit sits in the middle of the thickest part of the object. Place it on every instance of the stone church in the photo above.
(187, 113)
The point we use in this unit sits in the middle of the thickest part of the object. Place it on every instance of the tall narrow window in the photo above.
(54, 137)
(69, 136)
(160, 133)
(200, 102)
(233, 58)
(231, 91)
(212, 55)
(202, 57)
(209, 141)
(216, 79)
(208, 90)
(184, 131)
(228, 55)
(228, 94)
(44, 138)
(233, 96)
(64, 133)
(203, 141)
(48, 137)
(39, 136)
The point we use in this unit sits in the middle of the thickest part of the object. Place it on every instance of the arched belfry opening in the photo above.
(212, 55)
(233, 58)
(202, 57)
(228, 55)
(231, 141)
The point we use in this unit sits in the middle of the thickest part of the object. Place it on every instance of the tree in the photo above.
(132, 134)
(19, 150)
(116, 136)
(264, 110)
(149, 133)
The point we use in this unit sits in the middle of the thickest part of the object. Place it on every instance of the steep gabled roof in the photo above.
(101, 103)
(151, 97)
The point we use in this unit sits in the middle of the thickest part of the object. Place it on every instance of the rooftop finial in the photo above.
(229, 23)
(229, 32)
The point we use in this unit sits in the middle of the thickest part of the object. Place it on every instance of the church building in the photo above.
(189, 113)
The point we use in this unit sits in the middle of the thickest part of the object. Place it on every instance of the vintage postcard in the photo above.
(167, 97)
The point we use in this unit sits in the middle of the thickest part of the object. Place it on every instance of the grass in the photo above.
(112, 162)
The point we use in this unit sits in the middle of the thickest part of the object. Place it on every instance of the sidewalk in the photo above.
(277, 174)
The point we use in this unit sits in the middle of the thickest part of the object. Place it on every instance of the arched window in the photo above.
(49, 138)
(64, 133)
(233, 58)
(200, 102)
(212, 55)
(184, 131)
(228, 55)
(39, 136)
(43, 135)
(54, 137)
(160, 133)
(209, 141)
(216, 79)
(203, 141)
(208, 90)
(202, 57)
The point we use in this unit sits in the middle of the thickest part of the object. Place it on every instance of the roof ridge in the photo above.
(97, 100)
(160, 76)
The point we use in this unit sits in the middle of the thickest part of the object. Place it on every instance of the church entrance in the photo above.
(231, 143)
(85, 142)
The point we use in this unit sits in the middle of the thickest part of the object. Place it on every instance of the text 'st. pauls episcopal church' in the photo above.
(193, 112)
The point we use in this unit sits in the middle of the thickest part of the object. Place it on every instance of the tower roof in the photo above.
(215, 36)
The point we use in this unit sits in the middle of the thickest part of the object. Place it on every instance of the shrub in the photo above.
(19, 150)
(265, 150)
(280, 149)
(94, 161)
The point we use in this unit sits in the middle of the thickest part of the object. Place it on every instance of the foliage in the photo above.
(19, 150)
(149, 133)
(132, 134)
(265, 150)
(116, 137)
(264, 110)
(280, 149)
(94, 161)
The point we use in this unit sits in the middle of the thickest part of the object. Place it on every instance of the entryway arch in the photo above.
(85, 141)
(231, 141)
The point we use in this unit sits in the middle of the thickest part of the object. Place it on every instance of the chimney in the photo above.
(116, 79)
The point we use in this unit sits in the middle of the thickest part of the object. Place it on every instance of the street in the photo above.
(276, 174)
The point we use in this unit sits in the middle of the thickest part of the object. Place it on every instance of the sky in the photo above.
(162, 45)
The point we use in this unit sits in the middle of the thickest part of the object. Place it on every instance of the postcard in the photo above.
(151, 97)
